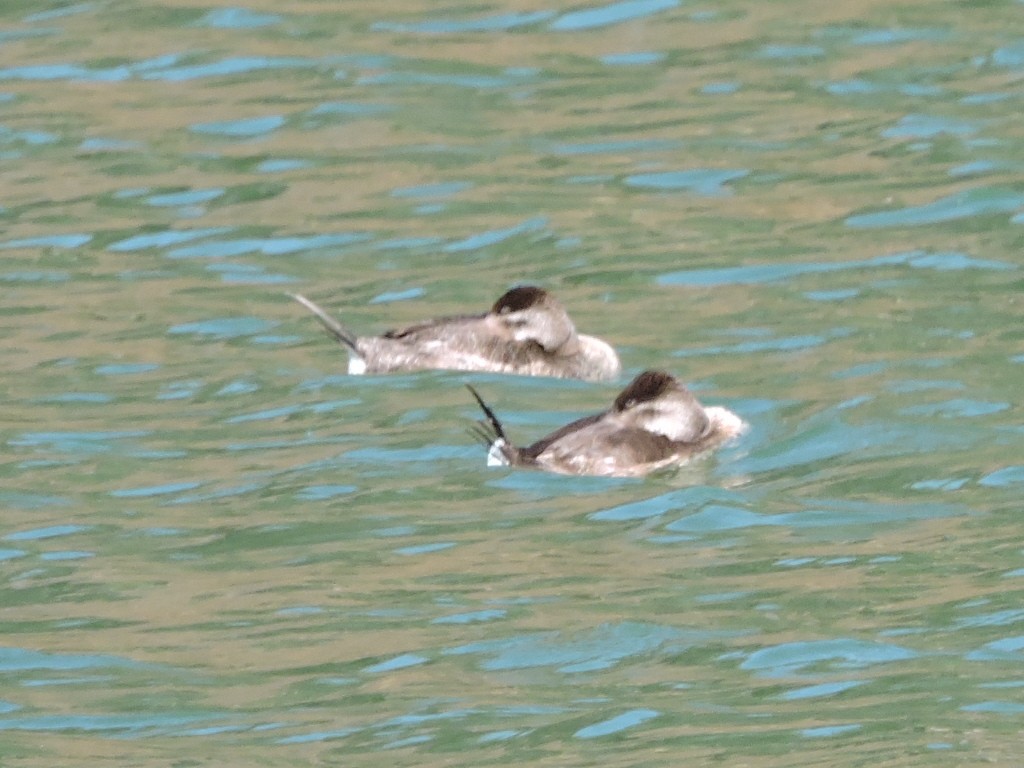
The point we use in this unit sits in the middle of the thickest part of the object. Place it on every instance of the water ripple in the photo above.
(623, 147)
(1011, 56)
(897, 35)
(616, 724)
(399, 662)
(979, 201)
(185, 197)
(790, 52)
(471, 617)
(709, 182)
(458, 80)
(1004, 649)
(134, 723)
(440, 189)
(823, 513)
(754, 274)
(237, 18)
(492, 23)
(58, 13)
(661, 504)
(608, 15)
(789, 659)
(232, 66)
(597, 649)
(632, 59)
(493, 237)
(928, 127)
(224, 327)
(244, 128)
(821, 690)
(74, 442)
(1007, 476)
(268, 246)
(22, 659)
(826, 731)
(76, 240)
(49, 532)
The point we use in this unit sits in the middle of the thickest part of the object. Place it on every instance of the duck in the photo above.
(526, 332)
(655, 422)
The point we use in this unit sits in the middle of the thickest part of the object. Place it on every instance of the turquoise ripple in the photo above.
(187, 197)
(163, 239)
(237, 18)
(752, 274)
(154, 490)
(829, 730)
(22, 659)
(979, 201)
(268, 246)
(606, 16)
(600, 648)
(621, 722)
(399, 662)
(224, 327)
(495, 236)
(819, 691)
(789, 658)
(496, 22)
(929, 126)
(244, 128)
(49, 241)
(49, 532)
(165, 67)
(471, 617)
(323, 492)
(233, 66)
(632, 59)
(709, 182)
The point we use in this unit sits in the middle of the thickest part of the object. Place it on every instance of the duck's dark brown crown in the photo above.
(519, 298)
(649, 385)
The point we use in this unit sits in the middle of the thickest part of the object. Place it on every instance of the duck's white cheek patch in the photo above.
(496, 455)
(356, 366)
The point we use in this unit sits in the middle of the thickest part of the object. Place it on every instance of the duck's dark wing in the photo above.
(429, 327)
(561, 434)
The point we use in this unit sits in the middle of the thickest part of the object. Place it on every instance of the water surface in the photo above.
(217, 546)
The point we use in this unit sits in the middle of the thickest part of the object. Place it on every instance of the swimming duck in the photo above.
(526, 332)
(655, 422)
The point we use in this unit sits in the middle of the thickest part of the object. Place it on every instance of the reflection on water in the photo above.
(217, 543)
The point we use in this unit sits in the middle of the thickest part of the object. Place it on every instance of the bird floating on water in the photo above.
(526, 332)
(655, 422)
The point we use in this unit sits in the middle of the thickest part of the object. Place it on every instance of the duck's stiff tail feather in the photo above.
(492, 434)
(336, 329)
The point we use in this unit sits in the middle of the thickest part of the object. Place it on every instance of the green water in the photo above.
(218, 548)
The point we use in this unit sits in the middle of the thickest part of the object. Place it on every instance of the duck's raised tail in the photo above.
(500, 452)
(336, 329)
